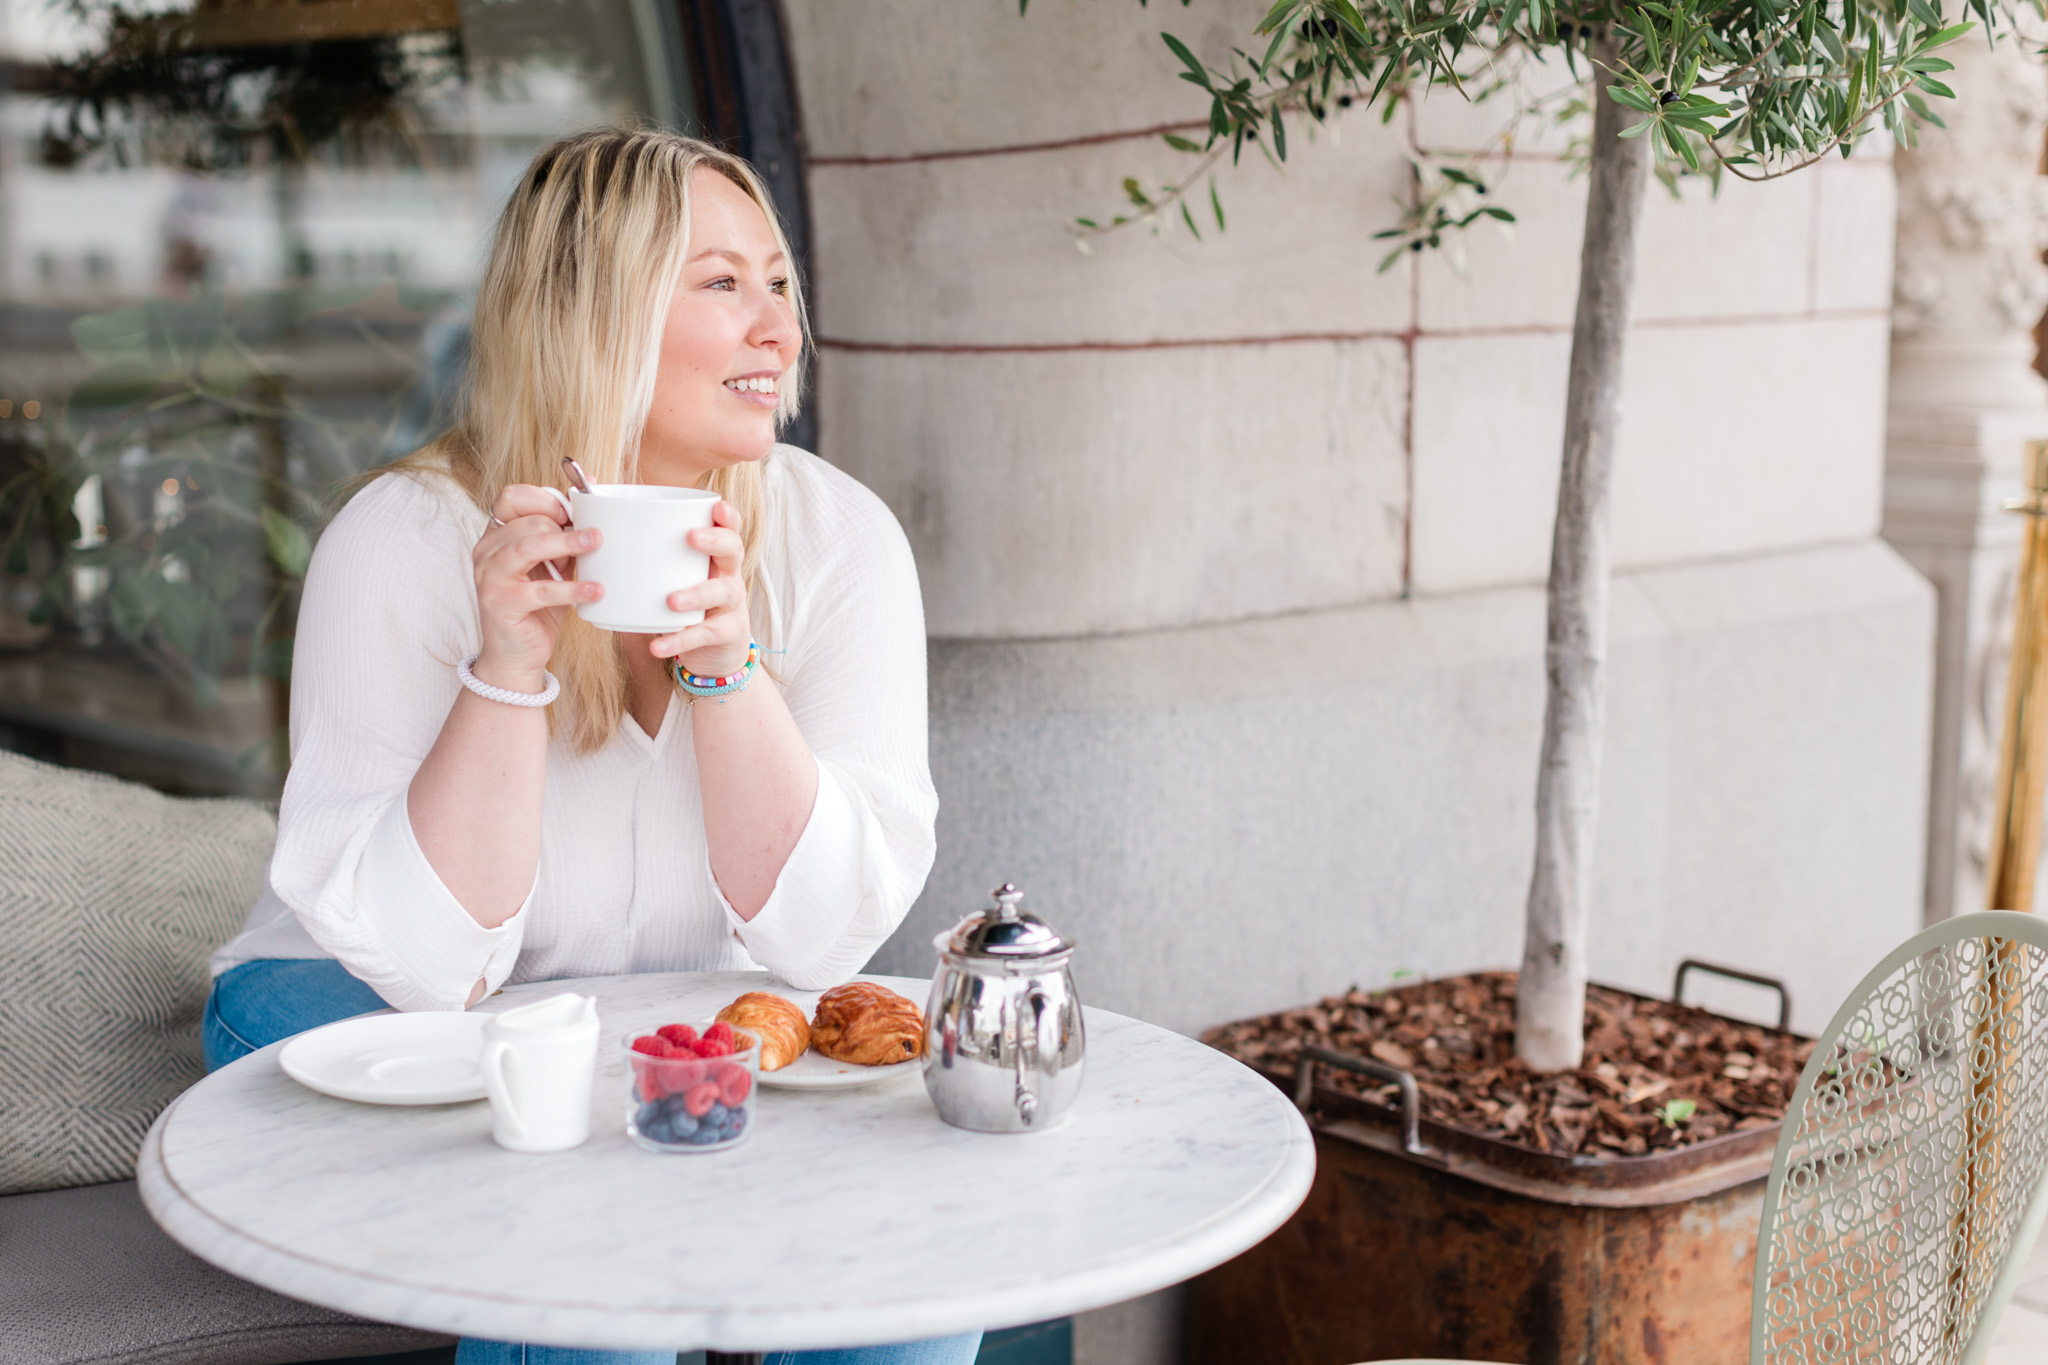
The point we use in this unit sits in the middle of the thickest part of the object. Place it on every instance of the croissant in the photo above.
(784, 1031)
(868, 1025)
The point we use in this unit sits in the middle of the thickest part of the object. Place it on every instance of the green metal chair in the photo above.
(1908, 1182)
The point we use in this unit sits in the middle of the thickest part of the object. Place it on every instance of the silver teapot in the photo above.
(1003, 1036)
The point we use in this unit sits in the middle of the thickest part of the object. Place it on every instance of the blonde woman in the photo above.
(484, 788)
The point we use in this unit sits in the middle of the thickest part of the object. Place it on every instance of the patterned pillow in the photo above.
(112, 896)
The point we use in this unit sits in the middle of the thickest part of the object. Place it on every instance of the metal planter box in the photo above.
(1480, 1249)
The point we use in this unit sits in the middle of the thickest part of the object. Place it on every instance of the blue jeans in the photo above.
(258, 1003)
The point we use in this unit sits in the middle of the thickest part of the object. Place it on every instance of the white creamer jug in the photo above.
(540, 1066)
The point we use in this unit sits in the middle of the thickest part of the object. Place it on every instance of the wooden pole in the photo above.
(2023, 746)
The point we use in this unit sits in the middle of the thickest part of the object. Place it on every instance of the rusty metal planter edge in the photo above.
(1668, 1177)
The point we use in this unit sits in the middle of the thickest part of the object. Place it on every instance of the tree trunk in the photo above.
(1550, 1003)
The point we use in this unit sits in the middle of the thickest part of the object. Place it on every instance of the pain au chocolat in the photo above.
(867, 1025)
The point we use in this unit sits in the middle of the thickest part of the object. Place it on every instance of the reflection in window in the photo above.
(236, 248)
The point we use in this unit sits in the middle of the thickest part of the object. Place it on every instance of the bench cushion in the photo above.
(112, 896)
(87, 1279)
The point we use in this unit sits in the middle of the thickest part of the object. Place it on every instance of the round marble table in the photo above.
(847, 1218)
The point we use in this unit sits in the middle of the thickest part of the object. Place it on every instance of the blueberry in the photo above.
(718, 1112)
(738, 1123)
(647, 1114)
(673, 1105)
(706, 1135)
(657, 1131)
(683, 1125)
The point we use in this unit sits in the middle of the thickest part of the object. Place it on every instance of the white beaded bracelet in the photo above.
(490, 693)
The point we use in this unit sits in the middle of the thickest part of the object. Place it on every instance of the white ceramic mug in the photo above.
(646, 553)
(540, 1065)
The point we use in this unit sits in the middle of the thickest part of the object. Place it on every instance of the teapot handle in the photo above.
(1027, 1103)
(1045, 1036)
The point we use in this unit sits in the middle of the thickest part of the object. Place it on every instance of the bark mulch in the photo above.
(1656, 1076)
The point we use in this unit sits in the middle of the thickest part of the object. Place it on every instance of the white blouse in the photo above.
(624, 882)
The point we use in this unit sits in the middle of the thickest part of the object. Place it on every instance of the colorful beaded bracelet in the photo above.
(699, 686)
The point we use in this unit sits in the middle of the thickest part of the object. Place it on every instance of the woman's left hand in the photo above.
(717, 646)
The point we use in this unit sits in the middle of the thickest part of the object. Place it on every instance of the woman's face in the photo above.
(731, 337)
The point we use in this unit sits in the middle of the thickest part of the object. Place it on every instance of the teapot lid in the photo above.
(1004, 931)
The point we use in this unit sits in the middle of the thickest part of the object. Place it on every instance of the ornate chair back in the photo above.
(1908, 1183)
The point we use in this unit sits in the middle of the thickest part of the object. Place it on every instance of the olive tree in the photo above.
(1750, 88)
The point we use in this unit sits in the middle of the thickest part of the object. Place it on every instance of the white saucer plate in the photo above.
(427, 1058)
(815, 1071)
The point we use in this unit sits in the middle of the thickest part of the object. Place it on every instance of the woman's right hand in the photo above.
(519, 604)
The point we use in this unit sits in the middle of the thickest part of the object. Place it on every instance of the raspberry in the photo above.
(652, 1045)
(677, 1035)
(699, 1098)
(681, 1074)
(722, 1032)
(709, 1047)
(649, 1082)
(733, 1085)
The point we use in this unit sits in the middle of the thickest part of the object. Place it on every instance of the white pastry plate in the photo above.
(425, 1058)
(816, 1071)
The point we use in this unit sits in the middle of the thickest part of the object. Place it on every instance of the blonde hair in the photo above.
(564, 348)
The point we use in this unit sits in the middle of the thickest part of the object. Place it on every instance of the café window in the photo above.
(238, 240)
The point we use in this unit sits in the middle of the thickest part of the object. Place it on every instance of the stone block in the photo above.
(1522, 119)
(1746, 252)
(975, 250)
(1088, 490)
(1244, 839)
(1224, 842)
(1487, 430)
(1780, 447)
(1776, 441)
(1857, 215)
(893, 80)
(1790, 679)
(1524, 275)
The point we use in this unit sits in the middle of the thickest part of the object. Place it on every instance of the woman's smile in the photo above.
(760, 389)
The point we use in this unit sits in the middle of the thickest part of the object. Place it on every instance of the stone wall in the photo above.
(1232, 551)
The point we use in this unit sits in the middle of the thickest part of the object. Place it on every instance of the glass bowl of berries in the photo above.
(690, 1087)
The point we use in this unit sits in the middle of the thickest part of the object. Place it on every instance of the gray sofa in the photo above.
(112, 897)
